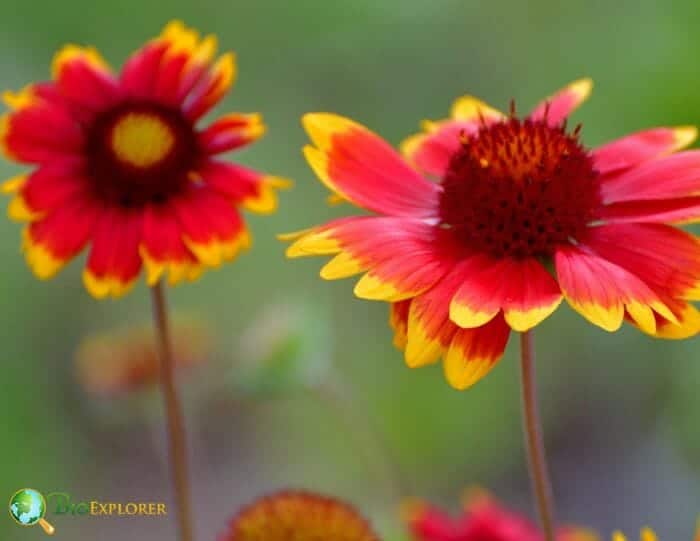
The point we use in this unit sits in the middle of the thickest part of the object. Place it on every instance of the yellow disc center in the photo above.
(141, 139)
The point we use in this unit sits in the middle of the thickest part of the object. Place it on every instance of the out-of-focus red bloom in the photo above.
(298, 516)
(489, 220)
(127, 360)
(121, 165)
(483, 519)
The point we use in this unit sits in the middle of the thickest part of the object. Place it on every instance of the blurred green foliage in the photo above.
(388, 64)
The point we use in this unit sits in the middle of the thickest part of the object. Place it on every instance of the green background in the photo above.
(621, 410)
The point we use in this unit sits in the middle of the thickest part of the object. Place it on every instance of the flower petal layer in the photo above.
(642, 146)
(364, 169)
(114, 262)
(682, 210)
(163, 249)
(664, 257)
(401, 257)
(168, 67)
(252, 190)
(50, 243)
(672, 177)
(212, 87)
(84, 79)
(431, 151)
(230, 132)
(398, 321)
(602, 292)
(556, 108)
(521, 288)
(47, 188)
(474, 352)
(212, 228)
(38, 131)
(430, 330)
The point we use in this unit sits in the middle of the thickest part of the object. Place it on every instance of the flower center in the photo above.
(141, 139)
(140, 152)
(519, 188)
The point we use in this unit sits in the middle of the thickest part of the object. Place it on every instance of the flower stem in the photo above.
(537, 460)
(177, 448)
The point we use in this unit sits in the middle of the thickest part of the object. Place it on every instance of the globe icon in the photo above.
(28, 507)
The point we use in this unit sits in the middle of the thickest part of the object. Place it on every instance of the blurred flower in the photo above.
(482, 518)
(298, 516)
(127, 360)
(120, 163)
(647, 534)
(522, 215)
(286, 348)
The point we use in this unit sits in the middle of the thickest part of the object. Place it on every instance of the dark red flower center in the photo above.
(520, 188)
(140, 152)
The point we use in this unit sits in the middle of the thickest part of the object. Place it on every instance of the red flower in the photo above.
(126, 360)
(120, 164)
(521, 216)
(483, 519)
(298, 516)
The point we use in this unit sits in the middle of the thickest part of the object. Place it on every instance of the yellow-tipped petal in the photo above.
(470, 108)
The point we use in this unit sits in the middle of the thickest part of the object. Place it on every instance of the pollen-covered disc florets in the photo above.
(298, 516)
(519, 188)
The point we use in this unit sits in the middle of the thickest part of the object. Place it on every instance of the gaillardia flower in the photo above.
(482, 518)
(490, 220)
(120, 164)
(298, 516)
(124, 361)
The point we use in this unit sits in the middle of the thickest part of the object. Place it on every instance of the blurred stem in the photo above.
(537, 460)
(177, 448)
(340, 400)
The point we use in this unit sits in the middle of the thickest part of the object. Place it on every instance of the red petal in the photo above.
(361, 167)
(674, 211)
(38, 131)
(254, 191)
(54, 184)
(675, 176)
(211, 88)
(114, 262)
(640, 147)
(169, 66)
(230, 132)
(83, 78)
(54, 240)
(431, 152)
(403, 257)
(474, 352)
(601, 291)
(430, 330)
(531, 294)
(664, 257)
(212, 228)
(521, 288)
(163, 249)
(559, 106)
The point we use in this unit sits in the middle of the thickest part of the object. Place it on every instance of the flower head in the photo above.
(483, 518)
(490, 220)
(298, 516)
(120, 164)
(127, 360)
